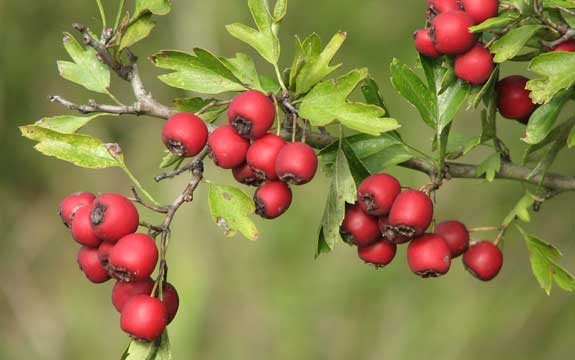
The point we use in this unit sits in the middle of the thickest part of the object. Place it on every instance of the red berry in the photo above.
(377, 193)
(133, 258)
(296, 163)
(245, 175)
(185, 134)
(262, 155)
(440, 6)
(455, 235)
(424, 43)
(388, 233)
(227, 147)
(91, 266)
(72, 203)
(474, 66)
(272, 199)
(379, 254)
(144, 317)
(82, 230)
(171, 300)
(450, 31)
(568, 46)
(410, 215)
(252, 114)
(359, 228)
(124, 291)
(428, 256)
(483, 260)
(514, 101)
(113, 217)
(104, 253)
(480, 10)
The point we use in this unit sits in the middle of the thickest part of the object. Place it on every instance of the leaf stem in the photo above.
(280, 79)
(138, 185)
(119, 16)
(114, 99)
(102, 14)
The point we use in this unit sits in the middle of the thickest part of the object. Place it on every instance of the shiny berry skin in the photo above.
(441, 6)
(411, 213)
(428, 256)
(82, 230)
(104, 253)
(390, 235)
(424, 43)
(113, 217)
(171, 301)
(245, 175)
(296, 163)
(379, 254)
(91, 266)
(262, 155)
(455, 235)
(567, 46)
(474, 66)
(450, 31)
(359, 228)
(124, 291)
(272, 199)
(227, 147)
(480, 10)
(185, 134)
(72, 203)
(143, 317)
(252, 114)
(133, 258)
(514, 101)
(376, 194)
(483, 260)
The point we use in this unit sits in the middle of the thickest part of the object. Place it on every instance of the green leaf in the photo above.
(316, 66)
(372, 94)
(494, 23)
(202, 72)
(520, 210)
(511, 43)
(459, 145)
(486, 90)
(309, 48)
(137, 31)
(170, 159)
(194, 104)
(86, 70)
(544, 118)
(230, 209)
(489, 167)
(156, 350)
(327, 102)
(556, 69)
(571, 139)
(263, 40)
(568, 4)
(157, 7)
(358, 169)
(537, 151)
(67, 124)
(280, 10)
(244, 68)
(269, 84)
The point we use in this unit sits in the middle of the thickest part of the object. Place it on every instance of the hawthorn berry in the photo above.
(388, 234)
(82, 230)
(379, 254)
(567, 46)
(428, 256)
(133, 258)
(480, 10)
(72, 203)
(143, 317)
(171, 301)
(91, 266)
(358, 227)
(424, 43)
(272, 199)
(455, 235)
(296, 163)
(227, 148)
(262, 155)
(483, 260)
(450, 32)
(124, 291)
(113, 217)
(410, 215)
(245, 175)
(252, 114)
(474, 66)
(441, 6)
(185, 134)
(104, 253)
(376, 194)
(514, 101)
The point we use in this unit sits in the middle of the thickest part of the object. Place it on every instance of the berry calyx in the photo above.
(104, 253)
(185, 134)
(480, 10)
(72, 203)
(113, 216)
(474, 66)
(376, 194)
(455, 235)
(171, 301)
(410, 215)
(428, 256)
(358, 227)
(567, 46)
(450, 32)
(91, 266)
(272, 199)
(252, 114)
(394, 238)
(227, 148)
(245, 175)
(424, 43)
(144, 317)
(296, 163)
(379, 254)
(483, 260)
(133, 258)
(514, 101)
(441, 6)
(124, 291)
(262, 155)
(82, 230)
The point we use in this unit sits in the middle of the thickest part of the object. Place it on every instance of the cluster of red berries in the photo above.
(256, 157)
(385, 216)
(106, 228)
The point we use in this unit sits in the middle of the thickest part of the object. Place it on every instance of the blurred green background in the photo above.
(269, 299)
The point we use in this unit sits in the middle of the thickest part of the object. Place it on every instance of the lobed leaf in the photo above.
(244, 69)
(157, 7)
(137, 31)
(556, 69)
(520, 210)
